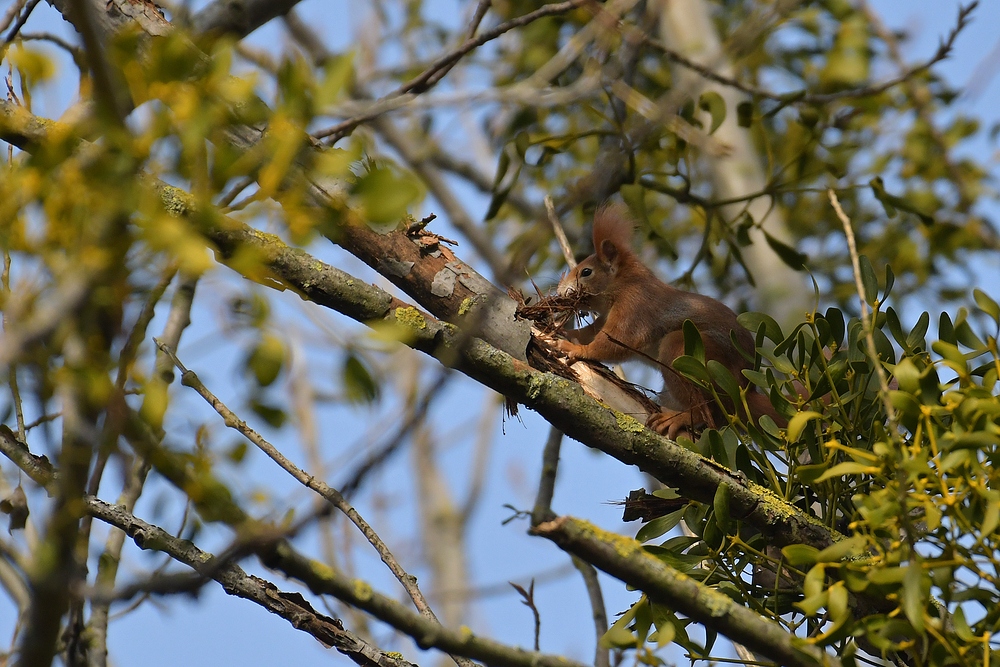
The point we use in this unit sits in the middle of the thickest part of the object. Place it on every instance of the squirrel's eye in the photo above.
(586, 272)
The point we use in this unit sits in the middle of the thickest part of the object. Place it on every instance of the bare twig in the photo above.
(557, 227)
(436, 70)
(866, 322)
(356, 592)
(15, 392)
(477, 17)
(528, 600)
(290, 606)
(547, 481)
(334, 497)
(942, 52)
(598, 611)
(15, 11)
(921, 102)
(177, 321)
(379, 455)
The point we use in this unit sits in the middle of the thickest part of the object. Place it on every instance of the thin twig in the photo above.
(379, 455)
(477, 17)
(177, 321)
(547, 481)
(13, 12)
(443, 65)
(15, 392)
(290, 606)
(334, 497)
(528, 600)
(557, 227)
(866, 322)
(598, 611)
(943, 51)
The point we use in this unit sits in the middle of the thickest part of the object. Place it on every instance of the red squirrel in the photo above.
(638, 316)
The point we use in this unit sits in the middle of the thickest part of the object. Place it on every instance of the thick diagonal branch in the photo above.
(624, 558)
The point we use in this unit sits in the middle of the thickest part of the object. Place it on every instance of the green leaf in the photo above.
(907, 375)
(915, 338)
(722, 377)
(798, 423)
(815, 581)
(961, 626)
(839, 550)
(787, 253)
(913, 595)
(946, 330)
(891, 202)
(713, 103)
(878, 189)
(991, 519)
(617, 637)
(694, 346)
(799, 555)
(890, 280)
(951, 353)
(359, 386)
(691, 368)
(338, 72)
(849, 468)
(987, 304)
(266, 359)
(659, 526)
(967, 337)
(838, 326)
(868, 280)
(752, 321)
(837, 604)
(847, 62)
(812, 604)
(385, 196)
(665, 633)
(274, 416)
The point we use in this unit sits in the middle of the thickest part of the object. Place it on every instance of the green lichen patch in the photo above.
(410, 317)
(625, 547)
(362, 590)
(468, 303)
(628, 423)
(176, 202)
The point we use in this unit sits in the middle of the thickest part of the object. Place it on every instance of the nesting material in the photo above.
(549, 315)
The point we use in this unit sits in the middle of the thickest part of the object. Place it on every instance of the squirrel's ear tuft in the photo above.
(607, 251)
(612, 231)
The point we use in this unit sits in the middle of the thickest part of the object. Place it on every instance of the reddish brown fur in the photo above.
(645, 315)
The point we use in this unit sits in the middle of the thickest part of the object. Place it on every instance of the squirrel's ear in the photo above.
(612, 232)
(608, 251)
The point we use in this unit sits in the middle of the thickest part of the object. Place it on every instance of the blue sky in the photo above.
(215, 628)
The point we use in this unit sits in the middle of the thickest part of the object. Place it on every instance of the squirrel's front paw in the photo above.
(570, 349)
(671, 424)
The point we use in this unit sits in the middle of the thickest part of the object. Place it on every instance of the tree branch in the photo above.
(625, 559)
(290, 606)
(322, 580)
(436, 71)
(333, 496)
